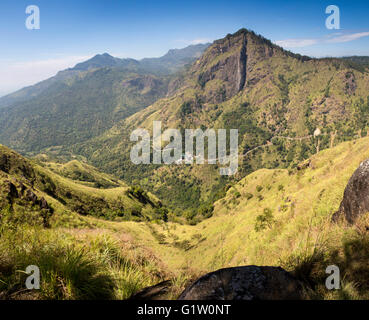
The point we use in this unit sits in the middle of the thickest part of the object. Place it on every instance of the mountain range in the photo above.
(275, 98)
(100, 227)
(243, 81)
(84, 101)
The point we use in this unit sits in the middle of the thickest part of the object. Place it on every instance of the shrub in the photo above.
(135, 211)
(184, 245)
(206, 210)
(264, 220)
(162, 214)
(186, 108)
(138, 193)
(248, 195)
(190, 214)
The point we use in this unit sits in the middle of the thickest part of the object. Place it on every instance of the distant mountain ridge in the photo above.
(82, 102)
(104, 60)
(171, 62)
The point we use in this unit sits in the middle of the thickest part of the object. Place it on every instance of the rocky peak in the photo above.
(223, 64)
(226, 64)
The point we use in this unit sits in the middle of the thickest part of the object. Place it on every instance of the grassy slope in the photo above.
(80, 257)
(75, 263)
(302, 212)
(67, 196)
(84, 174)
(306, 198)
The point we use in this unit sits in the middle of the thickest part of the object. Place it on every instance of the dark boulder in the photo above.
(31, 196)
(245, 283)
(304, 165)
(4, 163)
(44, 204)
(356, 196)
(10, 192)
(156, 292)
(13, 192)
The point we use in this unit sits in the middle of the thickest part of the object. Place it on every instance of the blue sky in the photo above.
(72, 31)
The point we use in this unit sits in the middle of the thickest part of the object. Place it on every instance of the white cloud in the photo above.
(296, 43)
(16, 75)
(194, 41)
(198, 41)
(333, 38)
(348, 37)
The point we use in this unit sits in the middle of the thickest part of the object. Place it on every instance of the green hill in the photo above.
(53, 192)
(276, 100)
(48, 218)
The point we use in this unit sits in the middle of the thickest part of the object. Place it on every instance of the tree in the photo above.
(264, 220)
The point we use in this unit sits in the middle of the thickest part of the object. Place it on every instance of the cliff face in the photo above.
(225, 62)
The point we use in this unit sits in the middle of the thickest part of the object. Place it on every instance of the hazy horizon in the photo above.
(71, 32)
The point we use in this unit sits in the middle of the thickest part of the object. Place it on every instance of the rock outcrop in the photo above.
(156, 292)
(356, 196)
(245, 283)
(224, 61)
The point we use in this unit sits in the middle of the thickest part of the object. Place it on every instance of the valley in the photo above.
(101, 226)
(300, 202)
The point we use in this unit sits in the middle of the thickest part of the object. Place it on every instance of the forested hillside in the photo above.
(83, 102)
(276, 99)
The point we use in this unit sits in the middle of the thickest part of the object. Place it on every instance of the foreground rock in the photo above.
(157, 292)
(245, 283)
(356, 196)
